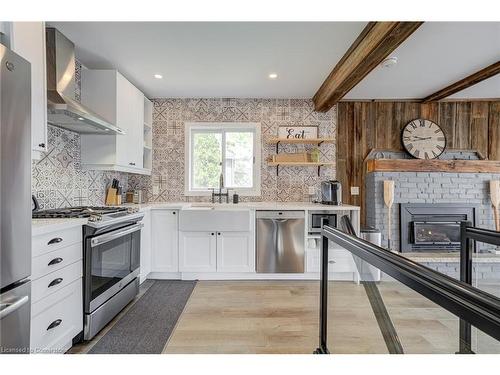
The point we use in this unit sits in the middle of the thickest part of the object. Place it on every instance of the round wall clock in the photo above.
(423, 139)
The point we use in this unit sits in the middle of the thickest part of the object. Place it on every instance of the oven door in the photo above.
(315, 221)
(112, 260)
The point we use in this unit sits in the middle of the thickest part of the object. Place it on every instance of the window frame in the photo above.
(223, 127)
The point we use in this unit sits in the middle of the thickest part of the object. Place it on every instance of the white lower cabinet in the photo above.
(57, 319)
(216, 252)
(146, 246)
(56, 290)
(341, 262)
(165, 241)
(198, 252)
(235, 252)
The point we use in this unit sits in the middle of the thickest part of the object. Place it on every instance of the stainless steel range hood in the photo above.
(63, 110)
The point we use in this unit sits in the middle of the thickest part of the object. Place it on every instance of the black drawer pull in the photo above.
(55, 240)
(55, 282)
(55, 261)
(54, 324)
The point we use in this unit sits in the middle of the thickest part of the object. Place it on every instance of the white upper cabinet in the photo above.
(27, 39)
(112, 96)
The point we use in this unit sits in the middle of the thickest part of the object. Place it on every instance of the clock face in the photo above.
(423, 139)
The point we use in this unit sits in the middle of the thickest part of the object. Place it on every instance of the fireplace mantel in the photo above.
(436, 165)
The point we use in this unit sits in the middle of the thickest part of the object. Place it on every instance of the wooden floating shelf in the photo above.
(297, 164)
(318, 141)
(419, 165)
(277, 164)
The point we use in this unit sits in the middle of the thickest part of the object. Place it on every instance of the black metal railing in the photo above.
(469, 235)
(473, 306)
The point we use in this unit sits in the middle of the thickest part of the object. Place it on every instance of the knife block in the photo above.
(112, 197)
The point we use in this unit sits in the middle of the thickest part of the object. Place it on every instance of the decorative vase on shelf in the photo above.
(315, 155)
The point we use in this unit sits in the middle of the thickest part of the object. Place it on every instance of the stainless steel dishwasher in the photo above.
(280, 237)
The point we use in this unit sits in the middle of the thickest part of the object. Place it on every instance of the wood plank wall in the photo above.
(363, 126)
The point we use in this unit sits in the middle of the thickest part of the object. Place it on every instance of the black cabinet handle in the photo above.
(218, 233)
(173, 213)
(54, 324)
(132, 163)
(54, 240)
(213, 234)
(55, 282)
(55, 261)
(42, 145)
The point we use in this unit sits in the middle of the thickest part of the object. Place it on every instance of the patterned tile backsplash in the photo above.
(292, 184)
(59, 180)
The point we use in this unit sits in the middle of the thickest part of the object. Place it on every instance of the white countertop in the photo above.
(250, 205)
(42, 226)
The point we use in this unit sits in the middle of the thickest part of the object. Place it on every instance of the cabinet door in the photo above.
(235, 252)
(125, 105)
(146, 246)
(27, 39)
(138, 128)
(165, 244)
(197, 252)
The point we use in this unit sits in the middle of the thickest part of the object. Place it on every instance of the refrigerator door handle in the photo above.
(8, 308)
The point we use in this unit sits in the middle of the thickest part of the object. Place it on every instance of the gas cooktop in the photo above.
(78, 212)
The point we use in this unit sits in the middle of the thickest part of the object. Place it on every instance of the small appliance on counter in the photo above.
(331, 192)
(134, 196)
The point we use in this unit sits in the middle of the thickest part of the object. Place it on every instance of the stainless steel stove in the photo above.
(111, 260)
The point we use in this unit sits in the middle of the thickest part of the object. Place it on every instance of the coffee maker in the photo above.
(331, 192)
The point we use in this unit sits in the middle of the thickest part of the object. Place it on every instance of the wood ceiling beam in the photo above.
(371, 47)
(468, 81)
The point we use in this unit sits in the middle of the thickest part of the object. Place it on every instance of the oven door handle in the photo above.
(102, 239)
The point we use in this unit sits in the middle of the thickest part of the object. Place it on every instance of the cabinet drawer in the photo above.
(55, 281)
(55, 260)
(342, 265)
(52, 241)
(57, 319)
(341, 261)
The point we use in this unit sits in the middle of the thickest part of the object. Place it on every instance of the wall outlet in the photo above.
(354, 190)
(156, 190)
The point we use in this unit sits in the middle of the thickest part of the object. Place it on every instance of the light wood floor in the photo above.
(283, 316)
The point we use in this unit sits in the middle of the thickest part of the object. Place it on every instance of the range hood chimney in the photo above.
(63, 110)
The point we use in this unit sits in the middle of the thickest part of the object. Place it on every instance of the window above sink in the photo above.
(230, 148)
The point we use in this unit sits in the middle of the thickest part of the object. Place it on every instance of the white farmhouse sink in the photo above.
(214, 218)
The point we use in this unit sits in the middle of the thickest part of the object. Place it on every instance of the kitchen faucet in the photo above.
(220, 194)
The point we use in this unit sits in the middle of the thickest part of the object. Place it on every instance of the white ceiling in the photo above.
(215, 59)
(436, 55)
(234, 59)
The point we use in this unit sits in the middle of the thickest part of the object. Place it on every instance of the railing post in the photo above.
(323, 307)
(465, 332)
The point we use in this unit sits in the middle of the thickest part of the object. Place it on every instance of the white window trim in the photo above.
(254, 126)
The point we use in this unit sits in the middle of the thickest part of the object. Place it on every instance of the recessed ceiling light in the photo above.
(80, 118)
(158, 76)
(273, 75)
(389, 62)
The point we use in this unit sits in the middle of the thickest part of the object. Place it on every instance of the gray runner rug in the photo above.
(147, 326)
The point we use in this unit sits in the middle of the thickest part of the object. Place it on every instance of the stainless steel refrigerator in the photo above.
(15, 202)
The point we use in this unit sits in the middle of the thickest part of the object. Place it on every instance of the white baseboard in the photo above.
(337, 276)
